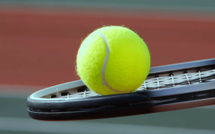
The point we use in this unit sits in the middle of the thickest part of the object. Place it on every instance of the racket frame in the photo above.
(140, 102)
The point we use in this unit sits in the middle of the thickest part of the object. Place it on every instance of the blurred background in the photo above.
(39, 40)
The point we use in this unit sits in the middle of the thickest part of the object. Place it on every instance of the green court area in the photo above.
(162, 5)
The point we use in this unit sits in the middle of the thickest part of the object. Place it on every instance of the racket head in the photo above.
(170, 87)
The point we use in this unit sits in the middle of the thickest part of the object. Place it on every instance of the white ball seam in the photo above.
(104, 65)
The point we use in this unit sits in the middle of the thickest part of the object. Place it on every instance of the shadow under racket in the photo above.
(170, 87)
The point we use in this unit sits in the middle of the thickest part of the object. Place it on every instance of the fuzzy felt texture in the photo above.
(127, 65)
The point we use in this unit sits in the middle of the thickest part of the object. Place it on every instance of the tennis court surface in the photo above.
(39, 41)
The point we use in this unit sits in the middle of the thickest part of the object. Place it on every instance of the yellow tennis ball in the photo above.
(113, 60)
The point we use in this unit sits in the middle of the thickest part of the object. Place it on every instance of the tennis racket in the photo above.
(170, 87)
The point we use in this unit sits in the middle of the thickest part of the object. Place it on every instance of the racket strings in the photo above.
(185, 78)
(153, 82)
(85, 93)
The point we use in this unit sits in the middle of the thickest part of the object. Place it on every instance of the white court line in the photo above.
(83, 127)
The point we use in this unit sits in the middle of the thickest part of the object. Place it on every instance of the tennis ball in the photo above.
(113, 60)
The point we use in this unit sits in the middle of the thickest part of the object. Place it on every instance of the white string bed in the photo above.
(157, 82)
(179, 80)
